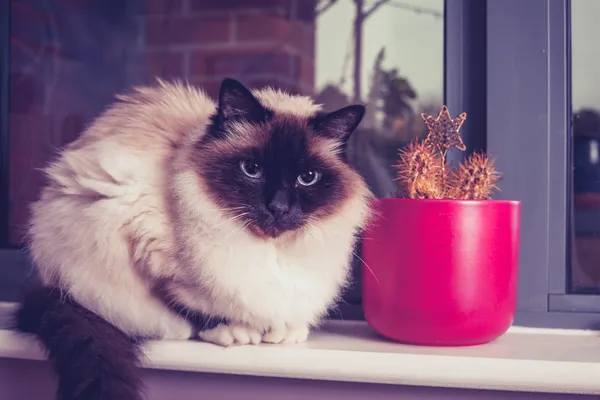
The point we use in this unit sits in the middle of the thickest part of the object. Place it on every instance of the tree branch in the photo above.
(324, 8)
(374, 7)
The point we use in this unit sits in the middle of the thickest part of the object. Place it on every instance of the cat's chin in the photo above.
(272, 233)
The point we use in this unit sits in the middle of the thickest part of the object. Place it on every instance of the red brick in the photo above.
(302, 10)
(263, 27)
(221, 64)
(153, 7)
(305, 10)
(272, 82)
(296, 66)
(211, 86)
(299, 36)
(310, 41)
(307, 72)
(199, 58)
(228, 5)
(188, 30)
(297, 40)
(164, 64)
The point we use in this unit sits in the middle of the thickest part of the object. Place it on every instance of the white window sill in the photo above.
(524, 360)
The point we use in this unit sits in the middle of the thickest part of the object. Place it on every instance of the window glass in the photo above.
(70, 58)
(585, 227)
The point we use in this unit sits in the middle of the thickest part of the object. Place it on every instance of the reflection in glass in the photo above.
(585, 246)
(70, 58)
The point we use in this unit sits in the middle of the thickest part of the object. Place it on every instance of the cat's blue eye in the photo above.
(251, 168)
(309, 178)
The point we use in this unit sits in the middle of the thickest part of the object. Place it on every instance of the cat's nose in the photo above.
(280, 203)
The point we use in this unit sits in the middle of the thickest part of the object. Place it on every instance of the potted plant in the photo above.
(441, 258)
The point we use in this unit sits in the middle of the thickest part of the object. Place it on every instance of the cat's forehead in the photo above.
(282, 134)
(282, 103)
(287, 136)
(283, 137)
(291, 143)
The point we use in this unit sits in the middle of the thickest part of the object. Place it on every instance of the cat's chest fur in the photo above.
(267, 283)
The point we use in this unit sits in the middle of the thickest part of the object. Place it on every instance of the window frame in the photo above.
(532, 94)
(15, 268)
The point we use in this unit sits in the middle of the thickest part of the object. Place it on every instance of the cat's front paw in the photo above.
(182, 332)
(235, 334)
(177, 329)
(287, 335)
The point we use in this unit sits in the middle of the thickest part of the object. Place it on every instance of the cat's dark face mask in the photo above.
(275, 173)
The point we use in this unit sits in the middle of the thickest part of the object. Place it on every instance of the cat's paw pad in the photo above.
(287, 335)
(227, 335)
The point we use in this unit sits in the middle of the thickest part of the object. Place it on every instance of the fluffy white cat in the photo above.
(243, 212)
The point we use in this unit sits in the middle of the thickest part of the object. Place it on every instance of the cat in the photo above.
(244, 212)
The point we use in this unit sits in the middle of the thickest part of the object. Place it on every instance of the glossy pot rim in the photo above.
(434, 202)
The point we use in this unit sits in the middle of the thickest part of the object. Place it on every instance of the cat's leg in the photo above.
(130, 306)
(148, 317)
(177, 329)
(231, 334)
(287, 334)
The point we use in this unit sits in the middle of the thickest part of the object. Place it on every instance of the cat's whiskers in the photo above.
(246, 225)
(226, 210)
(231, 209)
(314, 237)
(311, 225)
(236, 232)
(232, 219)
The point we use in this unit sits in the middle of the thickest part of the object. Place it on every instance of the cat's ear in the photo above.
(236, 101)
(339, 124)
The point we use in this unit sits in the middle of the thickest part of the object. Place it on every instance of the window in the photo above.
(68, 59)
(585, 58)
(538, 95)
(520, 69)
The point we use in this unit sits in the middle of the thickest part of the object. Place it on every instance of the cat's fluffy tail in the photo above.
(93, 359)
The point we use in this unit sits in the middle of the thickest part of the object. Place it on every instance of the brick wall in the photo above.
(261, 42)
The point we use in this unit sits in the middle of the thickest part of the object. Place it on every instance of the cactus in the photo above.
(424, 174)
(474, 179)
(419, 172)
